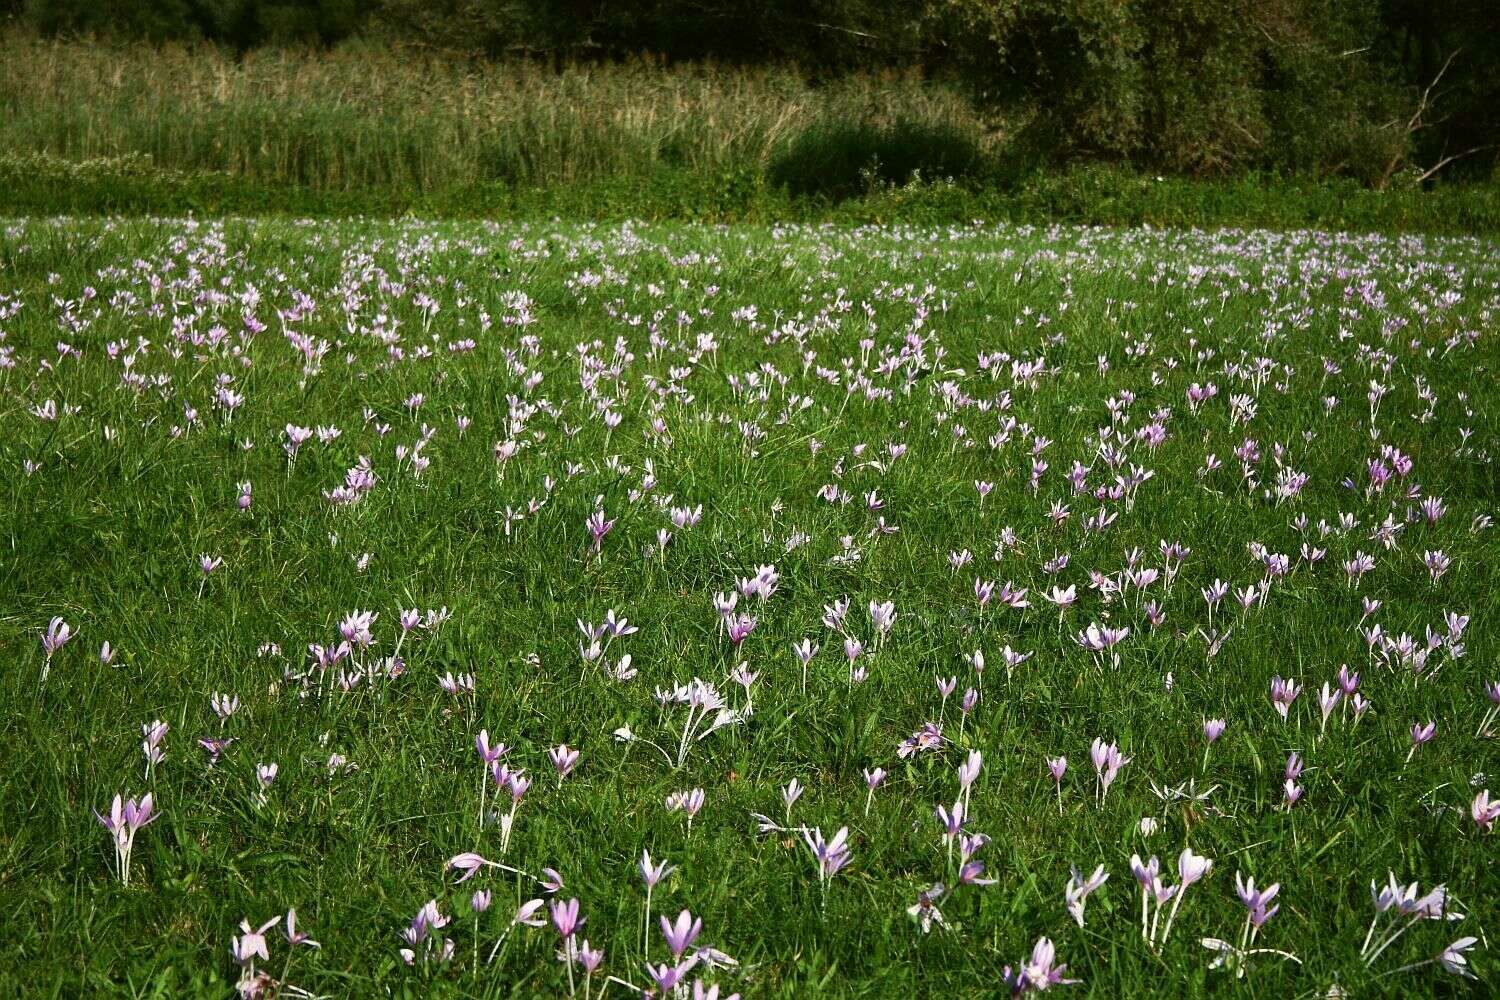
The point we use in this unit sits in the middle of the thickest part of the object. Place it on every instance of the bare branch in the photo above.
(1449, 159)
(1415, 124)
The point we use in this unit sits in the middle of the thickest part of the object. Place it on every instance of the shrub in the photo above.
(837, 160)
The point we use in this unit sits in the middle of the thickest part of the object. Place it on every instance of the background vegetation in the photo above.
(738, 109)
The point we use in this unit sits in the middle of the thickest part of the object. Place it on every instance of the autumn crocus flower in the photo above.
(666, 977)
(589, 958)
(830, 855)
(1328, 700)
(968, 772)
(1190, 868)
(151, 745)
(563, 761)
(126, 817)
(1256, 901)
(1039, 973)
(294, 937)
(1283, 693)
(488, 752)
(1107, 763)
(1057, 767)
(565, 917)
(1484, 811)
(1421, 733)
(873, 778)
(681, 933)
(418, 932)
(1079, 889)
(1099, 639)
(1453, 959)
(251, 944)
(739, 628)
(1492, 691)
(468, 863)
(688, 803)
(215, 748)
(1406, 901)
(924, 912)
(804, 651)
(929, 737)
(599, 526)
(651, 875)
(528, 914)
(54, 638)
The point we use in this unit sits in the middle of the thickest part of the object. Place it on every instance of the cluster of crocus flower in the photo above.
(1156, 526)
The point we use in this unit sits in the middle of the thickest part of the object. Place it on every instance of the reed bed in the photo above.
(360, 116)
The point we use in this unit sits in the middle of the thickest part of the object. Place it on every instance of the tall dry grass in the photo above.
(360, 116)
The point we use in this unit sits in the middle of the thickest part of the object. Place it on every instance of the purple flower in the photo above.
(598, 527)
(666, 977)
(251, 943)
(1192, 867)
(589, 957)
(1039, 973)
(680, 934)
(469, 863)
(529, 914)
(563, 760)
(652, 874)
(1079, 889)
(1107, 763)
(951, 821)
(489, 754)
(1484, 811)
(1283, 693)
(968, 771)
(1256, 900)
(565, 917)
(830, 855)
(294, 937)
(1453, 960)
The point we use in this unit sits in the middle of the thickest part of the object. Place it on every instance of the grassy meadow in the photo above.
(821, 546)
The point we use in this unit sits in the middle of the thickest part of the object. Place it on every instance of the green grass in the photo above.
(134, 185)
(106, 529)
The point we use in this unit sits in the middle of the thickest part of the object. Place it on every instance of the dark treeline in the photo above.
(1381, 90)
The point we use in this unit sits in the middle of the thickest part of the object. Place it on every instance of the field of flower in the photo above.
(442, 609)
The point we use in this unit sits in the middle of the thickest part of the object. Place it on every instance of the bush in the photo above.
(837, 161)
